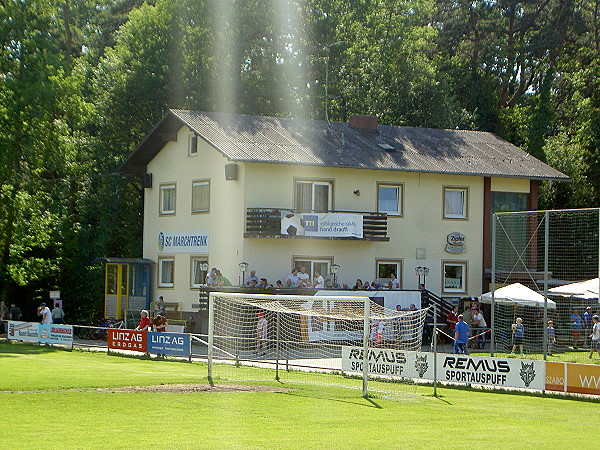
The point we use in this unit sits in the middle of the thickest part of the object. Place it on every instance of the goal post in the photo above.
(295, 334)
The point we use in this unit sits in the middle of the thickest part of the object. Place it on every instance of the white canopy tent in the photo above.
(587, 290)
(518, 295)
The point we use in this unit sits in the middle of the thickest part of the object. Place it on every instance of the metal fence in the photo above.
(543, 250)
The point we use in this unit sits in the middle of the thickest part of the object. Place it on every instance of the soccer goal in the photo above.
(309, 338)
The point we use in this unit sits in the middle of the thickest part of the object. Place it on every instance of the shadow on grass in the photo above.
(358, 401)
(12, 350)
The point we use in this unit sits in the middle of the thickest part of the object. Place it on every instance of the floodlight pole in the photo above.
(545, 324)
(366, 326)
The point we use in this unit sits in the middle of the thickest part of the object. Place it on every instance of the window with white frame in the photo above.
(385, 269)
(167, 198)
(454, 276)
(200, 196)
(456, 203)
(199, 270)
(193, 145)
(313, 195)
(311, 264)
(166, 272)
(389, 199)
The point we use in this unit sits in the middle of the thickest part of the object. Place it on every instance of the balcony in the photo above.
(267, 223)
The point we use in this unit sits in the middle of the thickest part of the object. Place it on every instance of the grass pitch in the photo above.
(52, 399)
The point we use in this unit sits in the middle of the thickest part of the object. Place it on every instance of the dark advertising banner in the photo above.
(127, 340)
(174, 344)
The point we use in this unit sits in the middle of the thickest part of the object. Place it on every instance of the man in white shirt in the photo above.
(395, 281)
(479, 325)
(319, 282)
(45, 313)
(303, 278)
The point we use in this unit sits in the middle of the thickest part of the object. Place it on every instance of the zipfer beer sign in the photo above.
(127, 340)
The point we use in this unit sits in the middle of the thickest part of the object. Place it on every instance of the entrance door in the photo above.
(115, 290)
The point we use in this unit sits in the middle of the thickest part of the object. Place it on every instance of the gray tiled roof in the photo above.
(314, 142)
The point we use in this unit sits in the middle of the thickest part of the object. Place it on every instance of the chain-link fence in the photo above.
(534, 255)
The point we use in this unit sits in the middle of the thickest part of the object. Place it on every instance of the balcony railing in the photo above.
(266, 223)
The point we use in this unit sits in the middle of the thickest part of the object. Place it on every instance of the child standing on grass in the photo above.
(551, 335)
(595, 336)
(518, 333)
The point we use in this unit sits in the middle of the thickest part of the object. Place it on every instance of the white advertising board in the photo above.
(481, 370)
(53, 333)
(23, 331)
(185, 241)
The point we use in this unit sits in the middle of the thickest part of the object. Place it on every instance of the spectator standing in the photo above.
(587, 318)
(479, 326)
(261, 334)
(461, 336)
(303, 278)
(318, 281)
(576, 326)
(452, 320)
(551, 335)
(395, 281)
(291, 281)
(595, 336)
(3, 316)
(211, 276)
(518, 334)
(58, 315)
(252, 277)
(144, 321)
(45, 313)
(15, 312)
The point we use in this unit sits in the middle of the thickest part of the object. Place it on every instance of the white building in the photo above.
(218, 185)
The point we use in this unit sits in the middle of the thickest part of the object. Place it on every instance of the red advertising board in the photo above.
(127, 340)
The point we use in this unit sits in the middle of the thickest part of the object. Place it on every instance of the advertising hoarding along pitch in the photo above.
(23, 331)
(482, 370)
(51, 333)
(175, 344)
(127, 340)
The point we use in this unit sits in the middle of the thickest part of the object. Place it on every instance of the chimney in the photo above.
(364, 124)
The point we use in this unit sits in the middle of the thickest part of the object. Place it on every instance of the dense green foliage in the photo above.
(82, 82)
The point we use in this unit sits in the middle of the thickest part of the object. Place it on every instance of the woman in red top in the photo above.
(452, 320)
(144, 321)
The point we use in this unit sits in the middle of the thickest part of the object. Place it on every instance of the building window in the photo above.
(200, 196)
(389, 199)
(166, 272)
(313, 195)
(454, 276)
(167, 198)
(199, 270)
(456, 203)
(385, 269)
(321, 264)
(193, 145)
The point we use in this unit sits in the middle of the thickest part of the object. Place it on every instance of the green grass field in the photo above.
(50, 399)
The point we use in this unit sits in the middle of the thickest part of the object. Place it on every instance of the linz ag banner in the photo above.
(52, 333)
(175, 344)
(23, 331)
(322, 224)
(482, 370)
(127, 340)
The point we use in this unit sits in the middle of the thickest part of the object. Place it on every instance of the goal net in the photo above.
(304, 338)
(545, 268)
